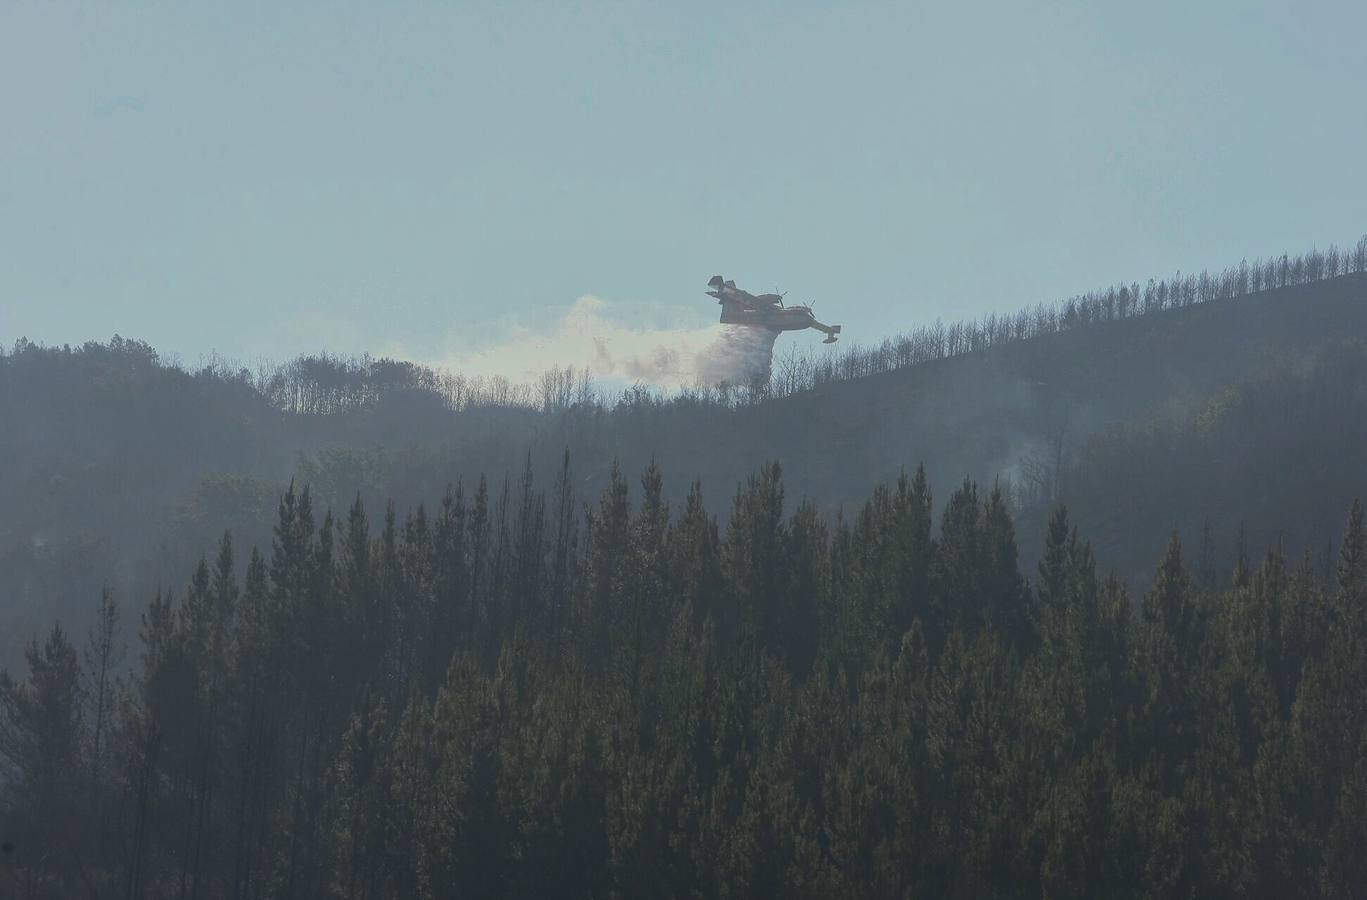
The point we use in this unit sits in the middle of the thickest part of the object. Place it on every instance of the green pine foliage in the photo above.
(525, 695)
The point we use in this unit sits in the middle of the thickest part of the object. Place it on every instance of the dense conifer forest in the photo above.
(361, 629)
(496, 695)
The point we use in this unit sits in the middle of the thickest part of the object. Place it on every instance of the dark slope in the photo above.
(118, 468)
(983, 409)
(980, 415)
(1053, 414)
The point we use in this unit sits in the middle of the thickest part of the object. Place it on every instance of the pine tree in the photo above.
(562, 573)
(42, 731)
(103, 656)
(956, 571)
(695, 564)
(913, 549)
(753, 561)
(1166, 668)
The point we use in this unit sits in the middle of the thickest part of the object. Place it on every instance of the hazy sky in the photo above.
(447, 182)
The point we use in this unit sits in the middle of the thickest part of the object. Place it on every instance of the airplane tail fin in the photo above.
(715, 281)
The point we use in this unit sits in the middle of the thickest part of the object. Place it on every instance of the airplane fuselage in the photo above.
(776, 318)
(739, 307)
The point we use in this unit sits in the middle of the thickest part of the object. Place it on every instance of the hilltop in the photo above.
(124, 468)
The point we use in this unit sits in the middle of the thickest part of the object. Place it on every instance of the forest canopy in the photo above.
(507, 694)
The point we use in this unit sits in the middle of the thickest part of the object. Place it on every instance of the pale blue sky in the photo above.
(446, 181)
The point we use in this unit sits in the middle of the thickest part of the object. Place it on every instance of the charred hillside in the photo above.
(1234, 414)
(1230, 410)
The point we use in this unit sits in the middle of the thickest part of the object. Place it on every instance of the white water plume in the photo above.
(595, 334)
(740, 354)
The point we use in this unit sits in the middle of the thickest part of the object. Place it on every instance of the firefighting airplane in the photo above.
(740, 307)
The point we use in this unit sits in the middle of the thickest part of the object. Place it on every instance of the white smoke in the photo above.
(605, 338)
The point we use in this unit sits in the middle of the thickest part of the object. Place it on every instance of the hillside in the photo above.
(649, 706)
(123, 469)
(1055, 413)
